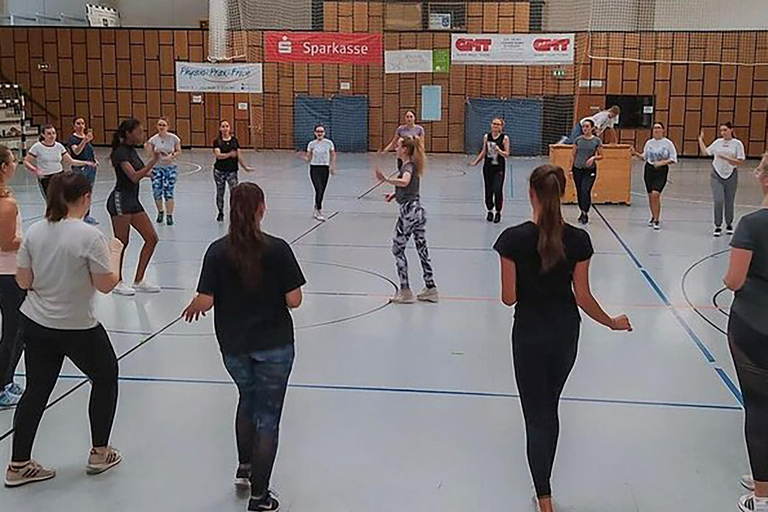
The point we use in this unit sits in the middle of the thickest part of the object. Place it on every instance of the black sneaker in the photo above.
(169, 220)
(264, 503)
(243, 476)
(160, 217)
(586, 218)
(718, 232)
(220, 217)
(497, 218)
(729, 230)
(489, 217)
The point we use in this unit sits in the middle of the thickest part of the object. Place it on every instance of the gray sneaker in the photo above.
(403, 297)
(748, 482)
(26, 474)
(101, 461)
(428, 295)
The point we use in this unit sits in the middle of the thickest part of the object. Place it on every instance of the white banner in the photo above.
(101, 16)
(205, 77)
(408, 61)
(512, 49)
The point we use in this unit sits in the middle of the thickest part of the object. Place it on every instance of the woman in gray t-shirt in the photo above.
(748, 337)
(587, 150)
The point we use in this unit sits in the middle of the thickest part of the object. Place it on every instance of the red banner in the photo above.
(324, 48)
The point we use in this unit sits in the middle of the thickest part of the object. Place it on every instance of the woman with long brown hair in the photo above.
(252, 280)
(412, 219)
(545, 275)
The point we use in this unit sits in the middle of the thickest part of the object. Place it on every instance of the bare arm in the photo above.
(9, 240)
(505, 152)
(241, 161)
(24, 278)
(223, 156)
(732, 161)
(333, 160)
(398, 182)
(134, 175)
(29, 163)
(78, 148)
(508, 282)
(482, 152)
(587, 302)
(738, 268)
(105, 283)
(67, 160)
(294, 298)
(176, 150)
(391, 145)
(702, 144)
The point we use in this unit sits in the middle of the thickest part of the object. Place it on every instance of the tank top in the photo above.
(8, 259)
(492, 156)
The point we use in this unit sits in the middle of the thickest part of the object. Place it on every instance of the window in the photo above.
(636, 111)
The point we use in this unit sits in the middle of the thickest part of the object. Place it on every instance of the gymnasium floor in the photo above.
(413, 407)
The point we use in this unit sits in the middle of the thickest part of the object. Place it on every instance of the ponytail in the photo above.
(65, 189)
(246, 244)
(548, 183)
(122, 132)
(414, 146)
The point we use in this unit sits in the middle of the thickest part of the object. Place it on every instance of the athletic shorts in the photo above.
(122, 203)
(655, 178)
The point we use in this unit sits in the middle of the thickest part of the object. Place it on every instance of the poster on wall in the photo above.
(208, 77)
(323, 48)
(512, 49)
(416, 61)
(431, 102)
(101, 16)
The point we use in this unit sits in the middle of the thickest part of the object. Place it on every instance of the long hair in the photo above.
(414, 147)
(761, 171)
(122, 132)
(246, 240)
(65, 189)
(548, 182)
(6, 157)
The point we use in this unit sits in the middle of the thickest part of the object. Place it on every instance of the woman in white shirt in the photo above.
(11, 296)
(321, 155)
(48, 157)
(729, 154)
(62, 262)
(659, 153)
(167, 146)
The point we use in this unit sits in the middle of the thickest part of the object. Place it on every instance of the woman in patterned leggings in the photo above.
(412, 220)
(226, 149)
(167, 146)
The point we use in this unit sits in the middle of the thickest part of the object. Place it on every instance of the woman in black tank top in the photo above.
(495, 153)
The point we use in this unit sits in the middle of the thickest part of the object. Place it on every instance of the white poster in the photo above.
(101, 16)
(512, 49)
(206, 77)
(408, 61)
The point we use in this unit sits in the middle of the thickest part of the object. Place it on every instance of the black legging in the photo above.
(584, 179)
(319, 175)
(91, 351)
(11, 298)
(493, 176)
(749, 349)
(542, 365)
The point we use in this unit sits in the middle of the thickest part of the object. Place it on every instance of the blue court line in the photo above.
(421, 391)
(727, 381)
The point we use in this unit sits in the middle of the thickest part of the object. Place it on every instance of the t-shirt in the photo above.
(226, 146)
(659, 151)
(321, 151)
(87, 154)
(407, 194)
(751, 302)
(408, 131)
(585, 149)
(251, 320)
(543, 299)
(732, 148)
(492, 156)
(165, 146)
(48, 158)
(123, 183)
(62, 256)
(602, 121)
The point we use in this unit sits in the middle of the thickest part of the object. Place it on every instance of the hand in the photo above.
(389, 197)
(332, 169)
(590, 162)
(193, 312)
(248, 169)
(701, 135)
(92, 164)
(89, 136)
(380, 175)
(621, 323)
(95, 162)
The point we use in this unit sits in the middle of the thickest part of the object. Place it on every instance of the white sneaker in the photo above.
(318, 216)
(428, 295)
(751, 503)
(718, 232)
(657, 226)
(748, 482)
(145, 287)
(403, 297)
(124, 289)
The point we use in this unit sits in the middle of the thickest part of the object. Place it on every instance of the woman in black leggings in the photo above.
(495, 152)
(748, 338)
(545, 273)
(58, 321)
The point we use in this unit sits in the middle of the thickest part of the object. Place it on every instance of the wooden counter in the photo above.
(614, 173)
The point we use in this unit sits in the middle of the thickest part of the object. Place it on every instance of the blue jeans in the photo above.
(262, 379)
(577, 132)
(90, 173)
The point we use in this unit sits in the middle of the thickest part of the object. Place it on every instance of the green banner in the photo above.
(441, 61)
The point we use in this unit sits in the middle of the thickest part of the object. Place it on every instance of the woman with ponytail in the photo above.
(412, 219)
(252, 280)
(545, 275)
(124, 206)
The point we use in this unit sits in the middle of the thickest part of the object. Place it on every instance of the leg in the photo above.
(43, 363)
(170, 176)
(731, 185)
(718, 196)
(11, 297)
(314, 175)
(44, 182)
(240, 368)
(219, 180)
(157, 188)
(655, 200)
(589, 182)
(142, 224)
(323, 182)
(488, 187)
(121, 227)
(399, 241)
(420, 239)
(498, 189)
(578, 181)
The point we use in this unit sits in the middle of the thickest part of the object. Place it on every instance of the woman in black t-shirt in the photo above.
(545, 274)
(226, 149)
(124, 206)
(495, 152)
(253, 281)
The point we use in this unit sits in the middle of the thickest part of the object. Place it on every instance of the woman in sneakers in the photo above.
(47, 157)
(226, 149)
(64, 261)
(124, 206)
(659, 153)
(167, 146)
(253, 280)
(321, 155)
(748, 338)
(11, 296)
(729, 154)
(412, 219)
(495, 152)
(80, 147)
(587, 150)
(545, 275)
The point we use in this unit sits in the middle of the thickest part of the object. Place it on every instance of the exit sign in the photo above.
(559, 73)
